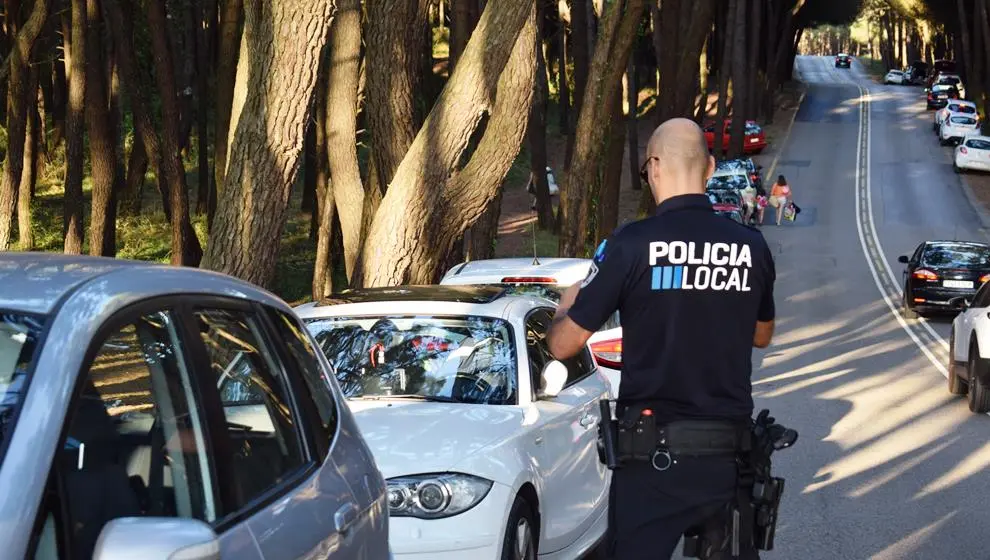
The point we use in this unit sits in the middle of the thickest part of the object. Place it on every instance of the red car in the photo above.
(755, 141)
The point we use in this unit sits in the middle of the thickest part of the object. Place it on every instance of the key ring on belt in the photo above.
(661, 452)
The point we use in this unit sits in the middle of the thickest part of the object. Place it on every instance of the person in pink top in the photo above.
(780, 196)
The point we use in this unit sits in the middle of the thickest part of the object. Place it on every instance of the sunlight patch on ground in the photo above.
(972, 464)
(797, 386)
(906, 546)
(899, 470)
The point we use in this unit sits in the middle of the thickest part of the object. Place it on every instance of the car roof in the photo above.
(976, 137)
(962, 102)
(37, 282)
(453, 294)
(946, 242)
(492, 271)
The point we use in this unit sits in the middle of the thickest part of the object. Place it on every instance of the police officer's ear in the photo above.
(711, 168)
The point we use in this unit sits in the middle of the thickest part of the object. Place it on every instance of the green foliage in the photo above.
(825, 12)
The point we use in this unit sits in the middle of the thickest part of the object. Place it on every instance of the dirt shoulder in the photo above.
(517, 219)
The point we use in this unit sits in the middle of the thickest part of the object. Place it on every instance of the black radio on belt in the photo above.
(637, 435)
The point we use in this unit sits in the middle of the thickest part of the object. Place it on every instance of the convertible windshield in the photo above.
(18, 338)
(446, 359)
(727, 182)
(957, 256)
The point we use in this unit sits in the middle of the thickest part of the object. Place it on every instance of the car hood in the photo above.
(422, 437)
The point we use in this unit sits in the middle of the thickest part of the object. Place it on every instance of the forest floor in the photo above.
(517, 221)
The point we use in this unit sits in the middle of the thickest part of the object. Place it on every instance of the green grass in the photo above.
(875, 68)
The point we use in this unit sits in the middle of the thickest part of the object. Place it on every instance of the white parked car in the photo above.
(894, 77)
(488, 445)
(969, 362)
(972, 153)
(606, 344)
(960, 106)
(956, 127)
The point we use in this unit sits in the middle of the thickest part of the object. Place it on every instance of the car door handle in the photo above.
(344, 518)
(588, 420)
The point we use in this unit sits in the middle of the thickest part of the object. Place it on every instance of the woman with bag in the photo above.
(780, 196)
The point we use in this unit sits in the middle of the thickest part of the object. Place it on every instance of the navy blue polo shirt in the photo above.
(689, 286)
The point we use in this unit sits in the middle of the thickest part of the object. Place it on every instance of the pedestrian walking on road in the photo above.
(780, 196)
(685, 402)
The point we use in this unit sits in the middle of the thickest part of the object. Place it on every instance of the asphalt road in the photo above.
(888, 464)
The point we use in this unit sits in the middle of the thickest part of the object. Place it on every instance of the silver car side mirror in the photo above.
(157, 538)
(554, 378)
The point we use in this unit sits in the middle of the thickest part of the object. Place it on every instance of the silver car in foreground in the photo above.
(161, 412)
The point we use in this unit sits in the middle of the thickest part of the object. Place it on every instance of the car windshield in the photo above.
(735, 164)
(963, 120)
(956, 256)
(727, 182)
(444, 359)
(978, 144)
(19, 336)
(753, 128)
(943, 88)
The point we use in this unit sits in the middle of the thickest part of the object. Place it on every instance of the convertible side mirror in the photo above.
(157, 537)
(554, 377)
(959, 303)
(903, 259)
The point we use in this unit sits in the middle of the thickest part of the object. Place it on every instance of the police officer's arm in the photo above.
(767, 312)
(585, 307)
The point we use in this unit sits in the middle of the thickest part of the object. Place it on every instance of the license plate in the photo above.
(957, 284)
(754, 140)
(942, 97)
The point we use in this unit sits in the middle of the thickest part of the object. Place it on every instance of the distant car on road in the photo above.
(960, 106)
(973, 153)
(894, 77)
(951, 80)
(939, 96)
(488, 443)
(754, 143)
(969, 350)
(843, 60)
(939, 271)
(747, 165)
(547, 277)
(956, 127)
(149, 411)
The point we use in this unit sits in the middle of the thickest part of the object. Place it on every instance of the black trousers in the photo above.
(650, 510)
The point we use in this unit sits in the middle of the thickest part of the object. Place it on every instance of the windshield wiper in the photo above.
(425, 398)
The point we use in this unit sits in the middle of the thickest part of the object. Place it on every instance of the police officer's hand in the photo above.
(568, 298)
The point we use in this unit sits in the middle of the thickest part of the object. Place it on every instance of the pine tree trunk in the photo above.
(277, 74)
(102, 146)
(74, 129)
(226, 65)
(724, 72)
(753, 63)
(204, 185)
(632, 122)
(739, 82)
(29, 175)
(137, 166)
(563, 87)
(408, 240)
(618, 31)
(186, 250)
(537, 137)
(607, 216)
(341, 126)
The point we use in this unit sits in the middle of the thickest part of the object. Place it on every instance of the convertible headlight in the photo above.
(435, 496)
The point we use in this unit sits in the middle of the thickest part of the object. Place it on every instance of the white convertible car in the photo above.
(488, 445)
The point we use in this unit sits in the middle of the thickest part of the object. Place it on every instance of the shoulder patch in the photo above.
(599, 253)
(592, 272)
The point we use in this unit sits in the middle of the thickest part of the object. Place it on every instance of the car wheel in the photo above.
(521, 533)
(956, 168)
(956, 385)
(909, 312)
(979, 396)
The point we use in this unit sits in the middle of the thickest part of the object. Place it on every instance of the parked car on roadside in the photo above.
(939, 271)
(957, 126)
(751, 168)
(755, 139)
(488, 443)
(894, 77)
(149, 411)
(969, 350)
(960, 106)
(939, 96)
(972, 154)
(843, 60)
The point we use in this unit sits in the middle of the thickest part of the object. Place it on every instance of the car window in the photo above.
(135, 443)
(978, 144)
(963, 120)
(753, 128)
(261, 423)
(537, 327)
(956, 256)
(967, 109)
(465, 359)
(19, 336)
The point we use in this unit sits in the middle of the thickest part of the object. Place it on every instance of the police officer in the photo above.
(695, 293)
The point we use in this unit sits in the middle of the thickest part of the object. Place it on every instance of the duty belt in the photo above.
(703, 437)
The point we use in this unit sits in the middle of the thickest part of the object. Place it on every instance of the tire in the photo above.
(956, 385)
(956, 168)
(909, 312)
(521, 524)
(979, 395)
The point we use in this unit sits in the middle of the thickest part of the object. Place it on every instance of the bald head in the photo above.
(683, 164)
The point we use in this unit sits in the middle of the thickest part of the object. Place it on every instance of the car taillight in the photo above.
(608, 353)
(923, 274)
(529, 280)
(963, 150)
(984, 278)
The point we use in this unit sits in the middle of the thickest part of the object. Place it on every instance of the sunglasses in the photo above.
(642, 170)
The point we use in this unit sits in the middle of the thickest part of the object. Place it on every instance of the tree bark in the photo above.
(678, 39)
(984, 19)
(724, 72)
(204, 186)
(341, 126)
(537, 137)
(632, 124)
(102, 145)
(618, 30)
(323, 269)
(396, 38)
(186, 250)
(18, 97)
(408, 239)
(322, 225)
(485, 230)
(226, 65)
(607, 215)
(580, 49)
(74, 129)
(563, 87)
(753, 64)
(29, 175)
(277, 72)
(739, 82)
(137, 166)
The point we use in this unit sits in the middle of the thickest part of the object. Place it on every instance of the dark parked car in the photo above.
(939, 271)
(939, 95)
(843, 60)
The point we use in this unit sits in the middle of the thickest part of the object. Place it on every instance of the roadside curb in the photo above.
(787, 135)
(978, 206)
